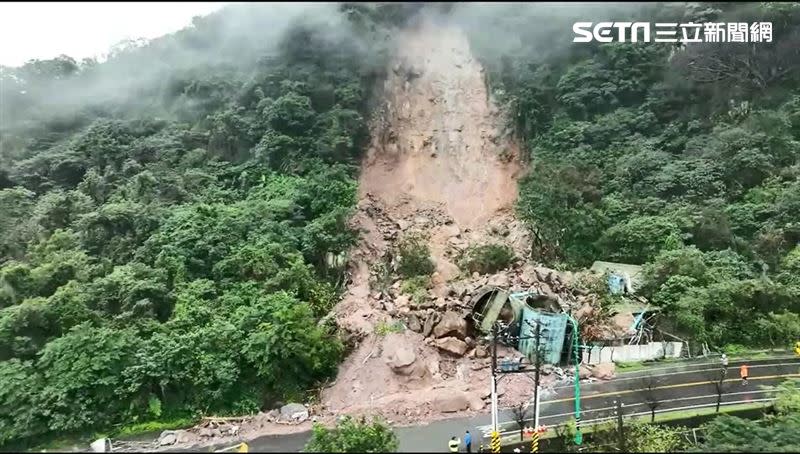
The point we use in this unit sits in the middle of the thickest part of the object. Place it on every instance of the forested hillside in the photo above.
(169, 217)
(684, 159)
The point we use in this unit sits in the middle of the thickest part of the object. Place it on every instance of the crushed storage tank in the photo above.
(553, 330)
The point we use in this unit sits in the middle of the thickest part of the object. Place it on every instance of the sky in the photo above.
(82, 29)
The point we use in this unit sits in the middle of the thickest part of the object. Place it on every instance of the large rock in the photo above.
(413, 323)
(397, 353)
(430, 322)
(475, 402)
(528, 275)
(452, 324)
(452, 345)
(604, 371)
(451, 401)
(294, 412)
(584, 372)
(499, 280)
(451, 230)
(168, 437)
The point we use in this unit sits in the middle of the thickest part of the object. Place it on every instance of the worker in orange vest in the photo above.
(743, 374)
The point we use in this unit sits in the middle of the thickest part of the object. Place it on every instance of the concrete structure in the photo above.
(621, 275)
(628, 353)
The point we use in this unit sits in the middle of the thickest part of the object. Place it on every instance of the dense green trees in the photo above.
(684, 158)
(163, 238)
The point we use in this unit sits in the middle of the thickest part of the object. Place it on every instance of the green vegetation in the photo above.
(487, 258)
(414, 257)
(684, 160)
(351, 435)
(382, 328)
(417, 288)
(165, 239)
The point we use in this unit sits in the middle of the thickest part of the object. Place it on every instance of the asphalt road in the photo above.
(678, 386)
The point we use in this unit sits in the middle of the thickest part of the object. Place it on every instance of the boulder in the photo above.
(604, 371)
(481, 351)
(475, 402)
(167, 437)
(451, 401)
(402, 224)
(413, 323)
(452, 324)
(294, 412)
(528, 275)
(430, 322)
(452, 345)
(397, 353)
(182, 436)
(205, 432)
(499, 280)
(584, 372)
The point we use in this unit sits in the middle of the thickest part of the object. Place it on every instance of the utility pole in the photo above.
(494, 379)
(536, 377)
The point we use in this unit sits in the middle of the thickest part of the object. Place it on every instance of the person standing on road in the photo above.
(743, 374)
(468, 441)
(724, 363)
(454, 444)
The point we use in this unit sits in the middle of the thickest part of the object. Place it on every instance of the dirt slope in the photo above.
(438, 138)
(437, 164)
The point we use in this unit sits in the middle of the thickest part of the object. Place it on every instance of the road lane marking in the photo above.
(678, 385)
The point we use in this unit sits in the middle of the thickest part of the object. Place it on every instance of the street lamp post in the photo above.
(575, 346)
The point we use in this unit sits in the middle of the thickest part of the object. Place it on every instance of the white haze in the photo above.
(84, 30)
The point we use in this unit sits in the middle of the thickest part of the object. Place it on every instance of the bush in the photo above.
(488, 258)
(415, 257)
(417, 288)
(351, 435)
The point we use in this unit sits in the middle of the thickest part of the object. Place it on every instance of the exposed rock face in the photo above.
(452, 345)
(452, 324)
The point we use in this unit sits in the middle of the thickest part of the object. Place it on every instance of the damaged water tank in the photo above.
(552, 332)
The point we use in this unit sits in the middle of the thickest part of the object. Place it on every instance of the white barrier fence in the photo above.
(627, 353)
